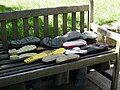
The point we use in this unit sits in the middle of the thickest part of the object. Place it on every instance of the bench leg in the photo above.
(115, 78)
(62, 78)
(19, 86)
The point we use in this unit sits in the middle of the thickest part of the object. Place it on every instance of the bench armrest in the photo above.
(105, 32)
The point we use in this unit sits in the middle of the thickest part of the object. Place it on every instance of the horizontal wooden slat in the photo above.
(99, 80)
(55, 69)
(42, 12)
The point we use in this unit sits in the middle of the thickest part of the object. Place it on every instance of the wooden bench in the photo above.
(17, 76)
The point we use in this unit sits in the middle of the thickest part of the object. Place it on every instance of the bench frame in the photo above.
(62, 69)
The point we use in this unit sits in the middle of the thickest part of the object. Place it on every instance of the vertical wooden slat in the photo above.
(36, 27)
(64, 23)
(26, 26)
(4, 35)
(15, 28)
(73, 21)
(88, 21)
(46, 33)
(55, 18)
(91, 9)
(82, 21)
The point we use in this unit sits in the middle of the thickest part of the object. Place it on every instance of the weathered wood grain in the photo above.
(46, 22)
(36, 26)
(42, 12)
(82, 21)
(73, 21)
(26, 27)
(4, 35)
(64, 23)
(15, 28)
(55, 22)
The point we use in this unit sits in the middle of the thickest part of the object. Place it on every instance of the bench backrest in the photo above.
(35, 14)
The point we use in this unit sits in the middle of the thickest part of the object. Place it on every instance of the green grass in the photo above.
(105, 11)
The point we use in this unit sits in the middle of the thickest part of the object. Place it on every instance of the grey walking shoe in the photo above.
(51, 58)
(26, 48)
(25, 55)
(67, 58)
(24, 41)
(47, 42)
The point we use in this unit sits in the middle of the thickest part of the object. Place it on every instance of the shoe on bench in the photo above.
(43, 54)
(89, 35)
(51, 58)
(75, 50)
(24, 41)
(26, 48)
(95, 48)
(47, 41)
(25, 55)
(75, 43)
(67, 58)
(72, 35)
(34, 58)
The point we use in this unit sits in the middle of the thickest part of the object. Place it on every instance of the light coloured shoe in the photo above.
(25, 55)
(75, 43)
(75, 50)
(67, 58)
(12, 52)
(26, 48)
(51, 58)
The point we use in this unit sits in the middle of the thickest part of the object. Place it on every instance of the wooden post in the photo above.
(114, 83)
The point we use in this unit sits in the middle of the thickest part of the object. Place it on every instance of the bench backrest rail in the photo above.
(25, 15)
